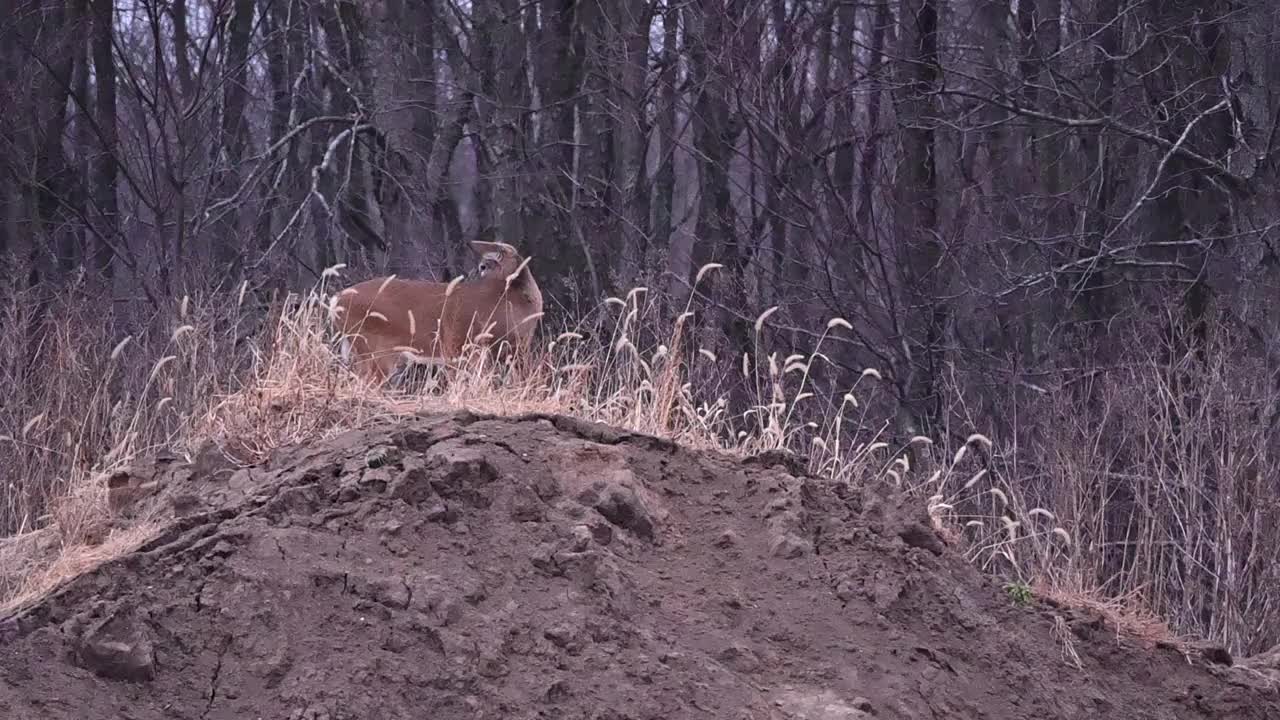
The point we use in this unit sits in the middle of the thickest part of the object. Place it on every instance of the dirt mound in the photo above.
(467, 567)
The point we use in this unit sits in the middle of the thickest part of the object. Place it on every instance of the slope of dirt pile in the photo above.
(469, 567)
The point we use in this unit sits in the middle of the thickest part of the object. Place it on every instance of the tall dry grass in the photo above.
(1112, 511)
(1163, 474)
(82, 401)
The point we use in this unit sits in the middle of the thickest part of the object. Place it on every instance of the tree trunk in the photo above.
(631, 134)
(1090, 300)
(870, 155)
(924, 318)
(356, 211)
(715, 132)
(104, 175)
(181, 44)
(53, 174)
(664, 183)
(233, 137)
(593, 202)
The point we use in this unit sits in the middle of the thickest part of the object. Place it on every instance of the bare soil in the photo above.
(539, 567)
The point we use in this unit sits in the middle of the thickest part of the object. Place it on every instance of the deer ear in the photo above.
(483, 247)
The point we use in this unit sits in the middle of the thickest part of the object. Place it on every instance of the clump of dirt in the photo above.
(539, 567)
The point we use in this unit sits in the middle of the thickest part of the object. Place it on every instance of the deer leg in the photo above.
(369, 358)
(385, 362)
(371, 370)
(423, 373)
(355, 354)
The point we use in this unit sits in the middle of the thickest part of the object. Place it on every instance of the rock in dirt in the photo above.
(822, 705)
(117, 647)
(462, 566)
(726, 539)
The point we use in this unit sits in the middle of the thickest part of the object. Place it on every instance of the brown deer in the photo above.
(384, 318)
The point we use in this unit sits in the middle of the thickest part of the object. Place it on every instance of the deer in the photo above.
(384, 319)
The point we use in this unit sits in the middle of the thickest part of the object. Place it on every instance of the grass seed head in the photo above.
(119, 348)
(764, 316)
(702, 271)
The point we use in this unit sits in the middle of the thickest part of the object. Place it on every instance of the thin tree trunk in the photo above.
(631, 134)
(870, 155)
(227, 249)
(73, 250)
(53, 173)
(920, 248)
(715, 133)
(104, 176)
(181, 43)
(664, 183)
(1090, 301)
(559, 62)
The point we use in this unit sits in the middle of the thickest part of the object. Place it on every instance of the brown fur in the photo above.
(374, 314)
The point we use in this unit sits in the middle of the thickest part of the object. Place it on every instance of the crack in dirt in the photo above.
(217, 675)
(420, 442)
(831, 582)
(505, 446)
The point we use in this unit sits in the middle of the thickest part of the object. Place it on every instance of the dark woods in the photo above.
(1051, 221)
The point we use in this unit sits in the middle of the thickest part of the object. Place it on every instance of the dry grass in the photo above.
(101, 403)
(1062, 633)
(84, 403)
(33, 573)
(1126, 616)
(1167, 467)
